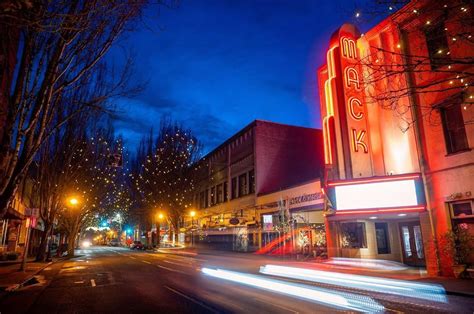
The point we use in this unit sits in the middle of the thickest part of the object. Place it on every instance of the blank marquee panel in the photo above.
(377, 195)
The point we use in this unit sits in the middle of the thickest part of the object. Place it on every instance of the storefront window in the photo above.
(462, 209)
(381, 234)
(353, 235)
(406, 241)
(418, 241)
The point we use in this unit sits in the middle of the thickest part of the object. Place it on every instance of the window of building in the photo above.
(213, 195)
(462, 209)
(220, 194)
(437, 44)
(252, 181)
(454, 128)
(226, 196)
(381, 234)
(202, 200)
(235, 188)
(206, 198)
(243, 187)
(353, 235)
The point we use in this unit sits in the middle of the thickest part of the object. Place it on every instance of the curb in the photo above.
(460, 294)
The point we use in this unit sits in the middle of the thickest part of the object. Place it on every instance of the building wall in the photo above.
(404, 133)
(286, 156)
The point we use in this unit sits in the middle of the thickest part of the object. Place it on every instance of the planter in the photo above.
(458, 270)
(470, 272)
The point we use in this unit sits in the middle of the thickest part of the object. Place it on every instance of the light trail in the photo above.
(339, 300)
(404, 288)
(366, 263)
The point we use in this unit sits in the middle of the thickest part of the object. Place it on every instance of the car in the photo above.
(114, 242)
(137, 245)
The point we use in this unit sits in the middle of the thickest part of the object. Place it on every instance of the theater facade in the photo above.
(395, 183)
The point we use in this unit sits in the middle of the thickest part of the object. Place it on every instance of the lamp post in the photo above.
(158, 229)
(192, 214)
(72, 202)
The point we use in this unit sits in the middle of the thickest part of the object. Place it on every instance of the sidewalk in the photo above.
(10, 273)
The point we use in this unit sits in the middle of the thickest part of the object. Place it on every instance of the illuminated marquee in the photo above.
(379, 194)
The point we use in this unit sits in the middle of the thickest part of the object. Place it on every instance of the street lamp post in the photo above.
(158, 229)
(193, 213)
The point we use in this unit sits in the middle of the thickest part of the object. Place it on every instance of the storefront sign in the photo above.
(306, 199)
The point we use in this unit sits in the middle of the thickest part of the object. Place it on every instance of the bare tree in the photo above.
(59, 44)
(433, 55)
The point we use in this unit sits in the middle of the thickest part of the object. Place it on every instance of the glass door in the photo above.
(412, 243)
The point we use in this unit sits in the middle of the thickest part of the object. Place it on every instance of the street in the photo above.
(106, 279)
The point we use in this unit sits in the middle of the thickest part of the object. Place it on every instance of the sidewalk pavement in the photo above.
(11, 275)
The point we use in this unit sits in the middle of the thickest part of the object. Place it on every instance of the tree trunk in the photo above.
(6, 198)
(43, 243)
(71, 244)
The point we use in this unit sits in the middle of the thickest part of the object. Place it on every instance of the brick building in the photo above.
(242, 179)
(398, 142)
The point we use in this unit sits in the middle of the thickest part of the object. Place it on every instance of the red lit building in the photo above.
(398, 135)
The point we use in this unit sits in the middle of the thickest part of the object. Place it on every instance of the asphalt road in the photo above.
(105, 279)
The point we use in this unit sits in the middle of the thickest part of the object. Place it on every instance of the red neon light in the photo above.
(382, 210)
(371, 180)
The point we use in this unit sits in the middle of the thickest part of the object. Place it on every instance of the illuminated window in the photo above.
(454, 128)
(353, 235)
(437, 44)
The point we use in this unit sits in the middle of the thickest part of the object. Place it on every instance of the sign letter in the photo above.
(358, 140)
(356, 115)
(352, 77)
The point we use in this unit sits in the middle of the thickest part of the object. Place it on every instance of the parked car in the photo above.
(137, 245)
(114, 242)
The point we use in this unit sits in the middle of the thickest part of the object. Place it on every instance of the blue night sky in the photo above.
(215, 66)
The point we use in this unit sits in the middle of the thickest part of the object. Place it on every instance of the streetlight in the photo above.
(192, 214)
(73, 201)
(158, 229)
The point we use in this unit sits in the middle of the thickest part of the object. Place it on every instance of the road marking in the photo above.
(93, 283)
(132, 257)
(276, 305)
(146, 262)
(179, 264)
(171, 269)
(191, 299)
(82, 281)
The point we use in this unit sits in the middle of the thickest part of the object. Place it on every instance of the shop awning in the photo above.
(12, 213)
